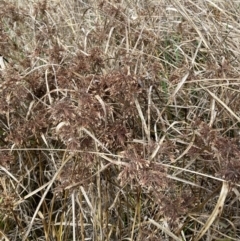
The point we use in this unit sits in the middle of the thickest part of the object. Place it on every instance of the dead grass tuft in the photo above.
(119, 121)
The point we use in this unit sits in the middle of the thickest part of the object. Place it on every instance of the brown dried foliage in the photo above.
(93, 106)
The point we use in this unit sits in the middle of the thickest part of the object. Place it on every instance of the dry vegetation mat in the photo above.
(119, 120)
